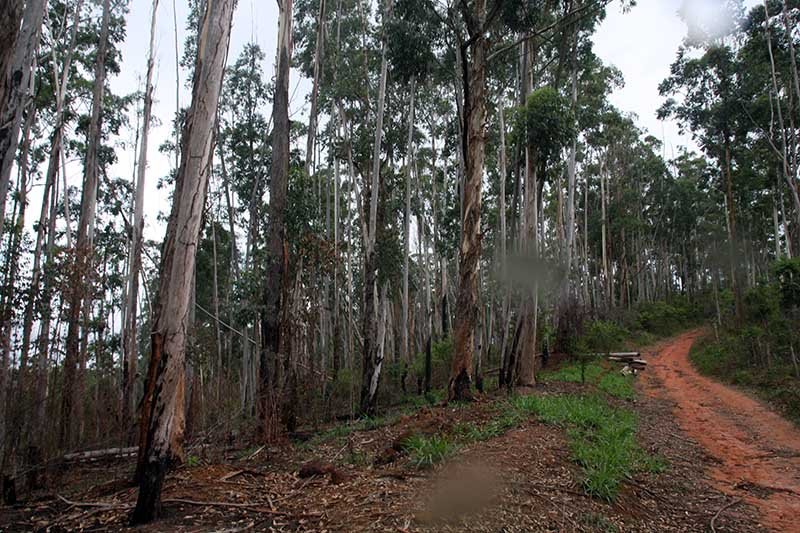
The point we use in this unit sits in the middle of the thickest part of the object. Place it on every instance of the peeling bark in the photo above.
(163, 419)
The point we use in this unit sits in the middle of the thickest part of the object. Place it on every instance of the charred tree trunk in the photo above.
(163, 407)
(274, 292)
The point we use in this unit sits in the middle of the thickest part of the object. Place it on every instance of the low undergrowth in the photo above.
(427, 451)
(607, 379)
(602, 438)
(730, 360)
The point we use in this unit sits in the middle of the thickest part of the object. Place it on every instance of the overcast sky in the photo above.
(642, 43)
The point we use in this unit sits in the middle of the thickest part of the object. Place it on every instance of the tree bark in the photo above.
(81, 277)
(319, 49)
(130, 328)
(473, 146)
(10, 18)
(370, 368)
(526, 376)
(163, 406)
(272, 326)
(404, 350)
(15, 83)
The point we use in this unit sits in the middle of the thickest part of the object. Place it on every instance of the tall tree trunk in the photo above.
(10, 18)
(733, 245)
(565, 298)
(404, 349)
(473, 147)
(130, 327)
(163, 405)
(370, 368)
(604, 237)
(274, 290)
(10, 431)
(81, 277)
(16, 81)
(527, 358)
(319, 49)
(506, 301)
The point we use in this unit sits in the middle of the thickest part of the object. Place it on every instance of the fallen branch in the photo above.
(101, 505)
(254, 506)
(719, 512)
(99, 454)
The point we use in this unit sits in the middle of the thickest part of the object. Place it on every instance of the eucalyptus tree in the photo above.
(16, 82)
(273, 322)
(10, 19)
(130, 352)
(163, 419)
(546, 127)
(711, 109)
(81, 278)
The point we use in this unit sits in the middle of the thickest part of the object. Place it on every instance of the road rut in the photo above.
(755, 453)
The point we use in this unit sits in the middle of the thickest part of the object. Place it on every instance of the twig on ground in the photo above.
(253, 455)
(103, 505)
(719, 512)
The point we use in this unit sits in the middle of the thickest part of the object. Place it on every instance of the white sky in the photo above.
(641, 43)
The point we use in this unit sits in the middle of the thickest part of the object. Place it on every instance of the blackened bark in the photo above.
(163, 419)
(274, 290)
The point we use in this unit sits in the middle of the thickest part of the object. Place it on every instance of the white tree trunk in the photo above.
(163, 407)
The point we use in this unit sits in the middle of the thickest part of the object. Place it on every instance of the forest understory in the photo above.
(496, 471)
(321, 292)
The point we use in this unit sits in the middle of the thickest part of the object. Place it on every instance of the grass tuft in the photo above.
(425, 452)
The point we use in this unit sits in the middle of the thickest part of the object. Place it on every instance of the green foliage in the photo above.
(787, 273)
(547, 121)
(738, 359)
(608, 380)
(441, 355)
(665, 318)
(425, 452)
(572, 373)
(602, 439)
(603, 336)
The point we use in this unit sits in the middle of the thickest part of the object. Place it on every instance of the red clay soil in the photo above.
(757, 453)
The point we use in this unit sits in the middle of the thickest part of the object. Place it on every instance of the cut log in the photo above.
(93, 455)
(629, 360)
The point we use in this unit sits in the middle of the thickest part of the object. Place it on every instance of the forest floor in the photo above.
(730, 465)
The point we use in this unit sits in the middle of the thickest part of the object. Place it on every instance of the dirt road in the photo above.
(755, 453)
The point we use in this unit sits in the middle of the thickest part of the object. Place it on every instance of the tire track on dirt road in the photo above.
(755, 452)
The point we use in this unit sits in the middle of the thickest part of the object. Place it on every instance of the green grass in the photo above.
(618, 385)
(610, 381)
(424, 452)
(572, 373)
(507, 419)
(729, 361)
(602, 439)
(341, 431)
